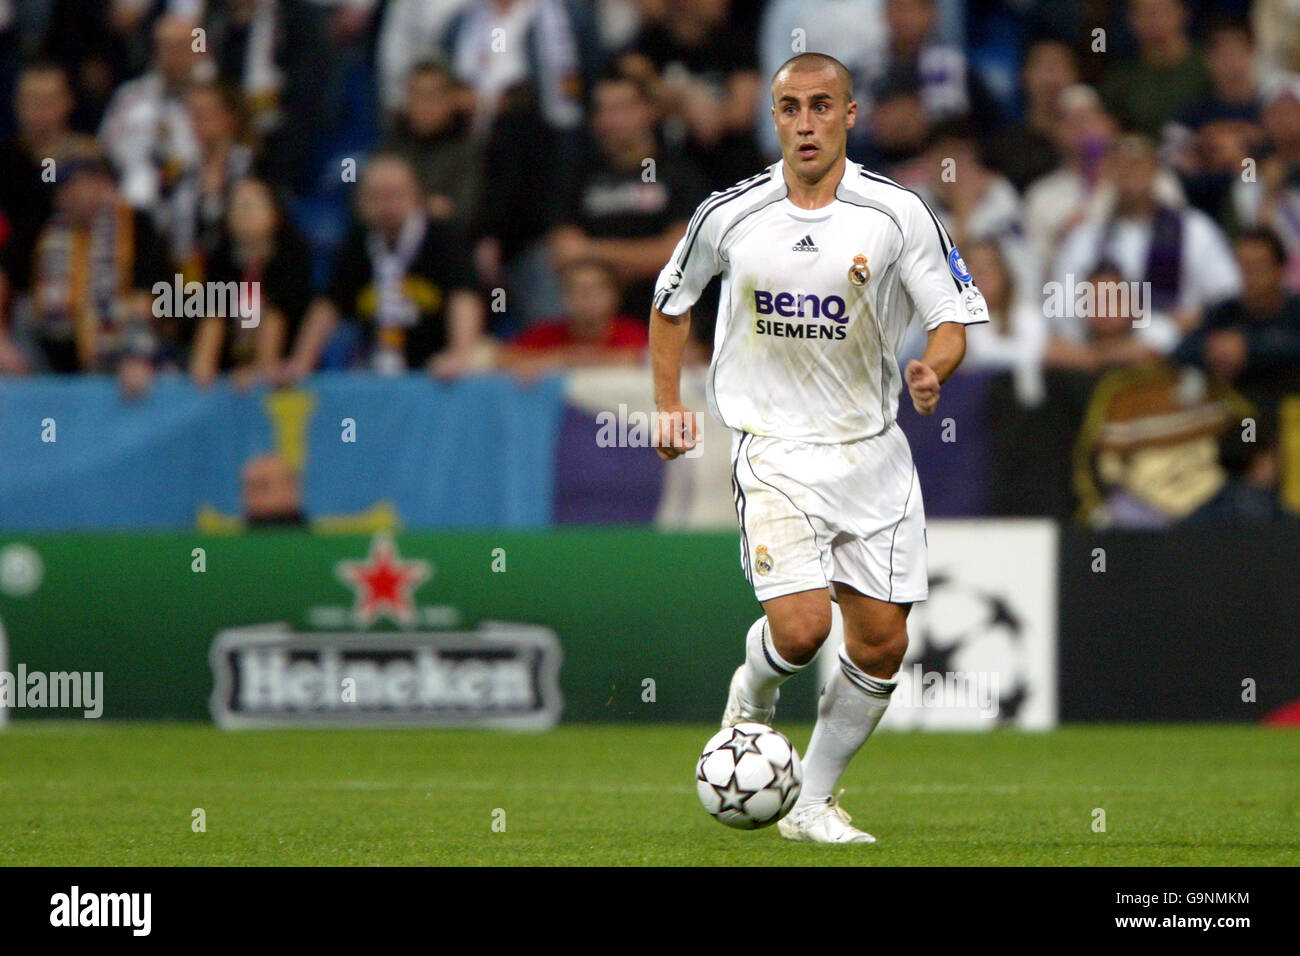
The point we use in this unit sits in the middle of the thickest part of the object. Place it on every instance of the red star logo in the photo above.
(383, 583)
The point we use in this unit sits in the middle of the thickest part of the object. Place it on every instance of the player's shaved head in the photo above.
(812, 63)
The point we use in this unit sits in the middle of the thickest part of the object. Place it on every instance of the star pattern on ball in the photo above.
(732, 797)
(740, 744)
(785, 781)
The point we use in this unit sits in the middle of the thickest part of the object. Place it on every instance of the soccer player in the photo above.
(823, 266)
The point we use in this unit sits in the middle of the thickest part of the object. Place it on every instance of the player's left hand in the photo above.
(923, 385)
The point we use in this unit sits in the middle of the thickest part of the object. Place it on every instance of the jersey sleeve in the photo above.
(934, 274)
(693, 263)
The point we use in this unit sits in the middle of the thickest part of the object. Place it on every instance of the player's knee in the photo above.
(880, 652)
(799, 636)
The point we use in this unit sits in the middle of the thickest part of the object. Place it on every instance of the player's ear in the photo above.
(851, 115)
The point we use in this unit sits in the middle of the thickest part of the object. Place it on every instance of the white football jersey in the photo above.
(815, 303)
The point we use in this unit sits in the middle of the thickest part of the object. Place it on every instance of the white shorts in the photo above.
(811, 515)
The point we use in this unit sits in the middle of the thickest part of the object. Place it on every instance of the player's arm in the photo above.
(945, 298)
(675, 423)
(944, 350)
(693, 263)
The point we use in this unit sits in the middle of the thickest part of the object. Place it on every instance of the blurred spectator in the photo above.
(699, 60)
(938, 72)
(1169, 75)
(1082, 188)
(1027, 149)
(96, 262)
(1014, 339)
(497, 46)
(615, 24)
(520, 59)
(271, 493)
(1208, 140)
(411, 31)
(1149, 456)
(324, 41)
(1181, 253)
(1097, 333)
(260, 246)
(409, 284)
(146, 129)
(1252, 342)
(10, 54)
(92, 40)
(632, 201)
(1277, 24)
(432, 135)
(852, 31)
(1274, 200)
(42, 106)
(246, 41)
(592, 332)
(1250, 495)
(899, 131)
(971, 200)
(1073, 192)
(193, 214)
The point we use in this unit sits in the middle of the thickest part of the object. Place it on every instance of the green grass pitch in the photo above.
(78, 794)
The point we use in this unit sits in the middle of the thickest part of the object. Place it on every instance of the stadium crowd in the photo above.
(466, 185)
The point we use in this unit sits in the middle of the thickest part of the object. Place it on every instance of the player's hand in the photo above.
(676, 431)
(923, 386)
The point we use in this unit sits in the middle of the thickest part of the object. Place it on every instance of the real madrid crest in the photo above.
(859, 272)
(762, 560)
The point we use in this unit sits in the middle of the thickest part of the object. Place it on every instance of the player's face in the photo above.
(813, 115)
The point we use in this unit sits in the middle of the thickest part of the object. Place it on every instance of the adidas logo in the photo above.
(804, 245)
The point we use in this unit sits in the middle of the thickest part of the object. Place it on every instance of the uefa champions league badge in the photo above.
(958, 265)
(859, 273)
(762, 560)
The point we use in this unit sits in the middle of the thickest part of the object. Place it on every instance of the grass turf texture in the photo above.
(82, 794)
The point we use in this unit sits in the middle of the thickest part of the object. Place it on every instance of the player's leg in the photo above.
(877, 575)
(858, 691)
(786, 559)
(779, 645)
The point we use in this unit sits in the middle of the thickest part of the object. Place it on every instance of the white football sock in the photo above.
(851, 706)
(764, 669)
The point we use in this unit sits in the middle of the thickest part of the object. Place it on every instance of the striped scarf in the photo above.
(81, 275)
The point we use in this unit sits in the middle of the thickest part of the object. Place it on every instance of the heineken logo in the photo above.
(498, 675)
(383, 584)
(384, 588)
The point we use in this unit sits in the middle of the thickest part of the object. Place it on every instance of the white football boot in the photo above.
(822, 823)
(739, 713)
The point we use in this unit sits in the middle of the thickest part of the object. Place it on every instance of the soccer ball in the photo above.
(748, 776)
